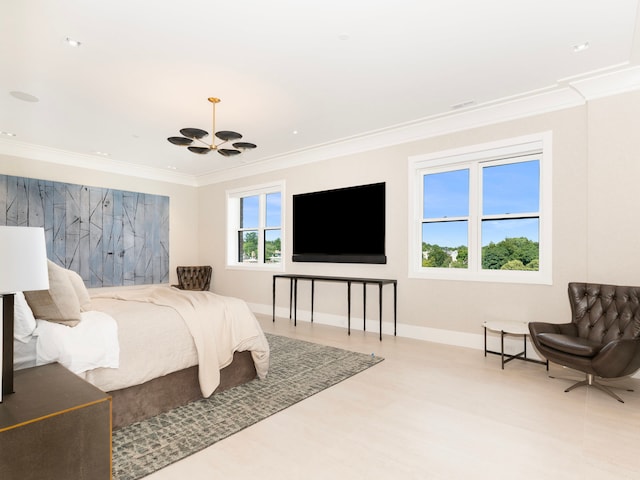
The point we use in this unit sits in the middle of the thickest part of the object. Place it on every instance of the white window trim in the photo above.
(233, 225)
(487, 151)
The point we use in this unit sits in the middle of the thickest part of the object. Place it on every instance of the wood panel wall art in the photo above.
(110, 237)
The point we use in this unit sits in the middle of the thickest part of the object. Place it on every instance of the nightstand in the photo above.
(56, 426)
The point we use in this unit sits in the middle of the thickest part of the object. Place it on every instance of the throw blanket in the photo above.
(219, 326)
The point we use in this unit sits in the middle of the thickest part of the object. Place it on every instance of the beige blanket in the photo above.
(219, 326)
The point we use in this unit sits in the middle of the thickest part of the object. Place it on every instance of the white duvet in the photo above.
(93, 343)
(163, 329)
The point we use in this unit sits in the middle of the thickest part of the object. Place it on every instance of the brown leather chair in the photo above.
(194, 277)
(603, 338)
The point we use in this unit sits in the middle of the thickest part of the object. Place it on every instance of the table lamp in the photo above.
(23, 266)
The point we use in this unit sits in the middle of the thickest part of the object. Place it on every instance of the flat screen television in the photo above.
(345, 225)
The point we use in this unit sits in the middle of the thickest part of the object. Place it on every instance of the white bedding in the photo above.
(123, 342)
(24, 354)
(157, 339)
(93, 343)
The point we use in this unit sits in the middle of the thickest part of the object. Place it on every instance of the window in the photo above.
(483, 213)
(254, 226)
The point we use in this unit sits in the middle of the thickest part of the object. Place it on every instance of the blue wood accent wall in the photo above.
(110, 237)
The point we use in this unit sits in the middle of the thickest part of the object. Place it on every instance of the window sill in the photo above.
(278, 267)
(496, 276)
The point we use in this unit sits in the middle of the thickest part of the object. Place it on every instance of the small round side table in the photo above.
(507, 327)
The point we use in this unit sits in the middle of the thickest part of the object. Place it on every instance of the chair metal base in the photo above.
(590, 382)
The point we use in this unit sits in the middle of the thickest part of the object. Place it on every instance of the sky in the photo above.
(506, 189)
(251, 210)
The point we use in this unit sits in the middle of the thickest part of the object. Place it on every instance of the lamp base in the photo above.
(7, 343)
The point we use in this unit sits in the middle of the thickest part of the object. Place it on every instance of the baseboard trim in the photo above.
(427, 334)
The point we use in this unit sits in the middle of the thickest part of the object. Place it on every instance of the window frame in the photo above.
(495, 153)
(233, 202)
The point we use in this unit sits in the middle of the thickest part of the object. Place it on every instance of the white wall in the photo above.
(613, 229)
(596, 174)
(427, 308)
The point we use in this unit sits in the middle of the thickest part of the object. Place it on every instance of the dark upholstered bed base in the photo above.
(159, 395)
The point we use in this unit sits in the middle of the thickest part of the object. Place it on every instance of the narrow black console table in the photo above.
(293, 295)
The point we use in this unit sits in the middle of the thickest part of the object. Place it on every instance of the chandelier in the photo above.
(191, 134)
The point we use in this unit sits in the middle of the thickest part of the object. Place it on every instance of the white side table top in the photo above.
(507, 326)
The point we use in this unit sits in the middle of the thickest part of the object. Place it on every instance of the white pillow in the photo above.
(24, 323)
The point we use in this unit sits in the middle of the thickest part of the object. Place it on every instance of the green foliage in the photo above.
(444, 257)
(513, 265)
(437, 257)
(250, 245)
(272, 251)
(462, 259)
(502, 255)
(272, 248)
(518, 253)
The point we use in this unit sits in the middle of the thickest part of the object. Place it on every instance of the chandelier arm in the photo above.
(205, 143)
(196, 134)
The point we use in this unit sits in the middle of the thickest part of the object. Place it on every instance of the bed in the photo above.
(151, 348)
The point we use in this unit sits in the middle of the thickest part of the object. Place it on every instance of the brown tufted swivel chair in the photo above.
(194, 278)
(603, 338)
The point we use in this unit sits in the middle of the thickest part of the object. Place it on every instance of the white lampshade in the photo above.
(23, 259)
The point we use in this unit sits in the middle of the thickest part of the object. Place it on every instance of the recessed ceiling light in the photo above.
(72, 43)
(25, 97)
(171, 167)
(295, 132)
(8, 134)
(102, 154)
(581, 47)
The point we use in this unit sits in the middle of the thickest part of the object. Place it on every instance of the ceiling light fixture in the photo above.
(191, 134)
(8, 134)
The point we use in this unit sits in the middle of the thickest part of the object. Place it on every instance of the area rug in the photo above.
(297, 370)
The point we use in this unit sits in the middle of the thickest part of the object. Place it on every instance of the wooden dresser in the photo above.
(56, 426)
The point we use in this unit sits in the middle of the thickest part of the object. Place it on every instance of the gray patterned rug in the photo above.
(297, 370)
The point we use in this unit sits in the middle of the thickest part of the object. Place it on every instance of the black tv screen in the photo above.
(345, 225)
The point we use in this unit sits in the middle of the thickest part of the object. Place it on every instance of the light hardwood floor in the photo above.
(431, 411)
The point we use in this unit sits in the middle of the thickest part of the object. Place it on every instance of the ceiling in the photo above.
(294, 77)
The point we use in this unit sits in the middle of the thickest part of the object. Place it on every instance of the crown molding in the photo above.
(63, 157)
(532, 103)
(609, 83)
(567, 93)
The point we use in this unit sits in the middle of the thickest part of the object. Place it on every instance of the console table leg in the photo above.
(295, 302)
(312, 294)
(395, 307)
(348, 308)
(364, 307)
(290, 296)
(274, 299)
(380, 300)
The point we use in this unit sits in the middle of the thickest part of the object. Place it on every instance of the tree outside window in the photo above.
(483, 212)
(255, 222)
